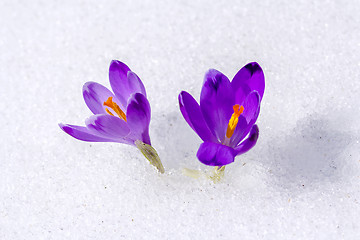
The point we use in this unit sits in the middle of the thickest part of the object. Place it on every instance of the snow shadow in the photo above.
(314, 152)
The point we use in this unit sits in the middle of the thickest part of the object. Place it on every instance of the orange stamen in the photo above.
(238, 110)
(109, 103)
(108, 111)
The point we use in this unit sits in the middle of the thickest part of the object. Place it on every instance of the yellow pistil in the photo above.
(109, 103)
(238, 110)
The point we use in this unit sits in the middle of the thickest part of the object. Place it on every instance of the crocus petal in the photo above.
(216, 102)
(138, 117)
(124, 82)
(82, 133)
(118, 80)
(107, 126)
(95, 95)
(251, 106)
(135, 84)
(214, 154)
(248, 79)
(248, 143)
(191, 112)
(247, 118)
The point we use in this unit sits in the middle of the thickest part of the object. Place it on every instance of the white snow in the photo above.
(301, 181)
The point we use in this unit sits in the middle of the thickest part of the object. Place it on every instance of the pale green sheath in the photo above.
(150, 153)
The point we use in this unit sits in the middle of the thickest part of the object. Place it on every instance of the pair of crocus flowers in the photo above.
(224, 120)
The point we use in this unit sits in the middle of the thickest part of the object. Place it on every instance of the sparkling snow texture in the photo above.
(301, 181)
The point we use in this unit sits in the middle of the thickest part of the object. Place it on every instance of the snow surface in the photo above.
(301, 181)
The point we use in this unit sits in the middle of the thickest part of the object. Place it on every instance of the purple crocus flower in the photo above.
(226, 114)
(121, 116)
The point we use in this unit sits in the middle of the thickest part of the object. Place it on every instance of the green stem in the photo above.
(150, 153)
(219, 173)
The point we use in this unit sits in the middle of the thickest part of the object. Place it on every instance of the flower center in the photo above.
(238, 110)
(109, 103)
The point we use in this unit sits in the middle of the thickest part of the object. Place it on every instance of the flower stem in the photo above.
(150, 153)
(219, 172)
